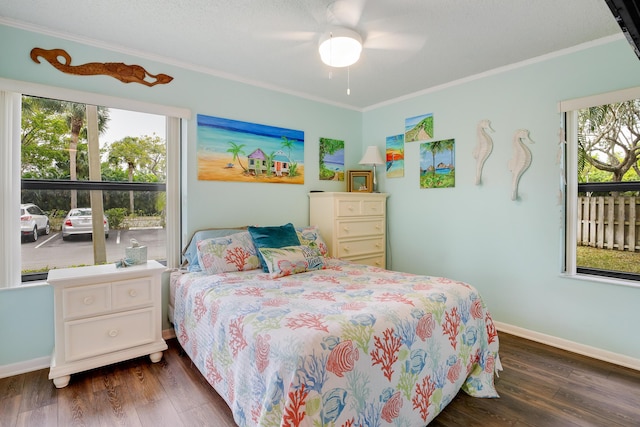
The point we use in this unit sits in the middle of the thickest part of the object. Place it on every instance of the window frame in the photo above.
(569, 110)
(11, 92)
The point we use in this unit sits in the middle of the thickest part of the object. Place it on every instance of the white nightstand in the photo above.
(105, 315)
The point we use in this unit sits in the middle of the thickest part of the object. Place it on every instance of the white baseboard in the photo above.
(45, 362)
(24, 367)
(574, 347)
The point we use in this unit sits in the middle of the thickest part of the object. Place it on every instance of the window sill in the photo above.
(602, 279)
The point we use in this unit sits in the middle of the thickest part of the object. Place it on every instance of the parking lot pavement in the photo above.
(53, 252)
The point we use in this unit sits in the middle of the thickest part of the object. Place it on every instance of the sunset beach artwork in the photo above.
(395, 156)
(232, 150)
(418, 128)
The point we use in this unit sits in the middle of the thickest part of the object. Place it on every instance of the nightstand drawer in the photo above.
(132, 293)
(360, 228)
(86, 300)
(104, 334)
(351, 248)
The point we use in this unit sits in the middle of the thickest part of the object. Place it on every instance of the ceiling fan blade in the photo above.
(345, 12)
(384, 40)
(301, 36)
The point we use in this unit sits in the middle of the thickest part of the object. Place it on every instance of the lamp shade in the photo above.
(340, 47)
(372, 156)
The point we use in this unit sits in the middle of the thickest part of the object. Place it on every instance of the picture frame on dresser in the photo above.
(359, 181)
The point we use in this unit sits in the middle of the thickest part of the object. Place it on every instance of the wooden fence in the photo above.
(609, 222)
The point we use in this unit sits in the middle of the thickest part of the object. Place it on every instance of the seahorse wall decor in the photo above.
(123, 72)
(483, 148)
(520, 159)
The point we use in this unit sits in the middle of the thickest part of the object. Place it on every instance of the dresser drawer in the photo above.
(360, 228)
(377, 260)
(86, 300)
(104, 334)
(373, 207)
(348, 207)
(132, 293)
(351, 248)
(354, 207)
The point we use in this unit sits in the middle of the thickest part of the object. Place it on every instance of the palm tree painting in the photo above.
(437, 164)
(418, 128)
(232, 150)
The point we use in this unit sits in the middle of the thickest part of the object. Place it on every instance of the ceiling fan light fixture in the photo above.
(340, 47)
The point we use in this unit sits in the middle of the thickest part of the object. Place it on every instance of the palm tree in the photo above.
(75, 115)
(448, 145)
(134, 152)
(236, 150)
(286, 143)
(435, 147)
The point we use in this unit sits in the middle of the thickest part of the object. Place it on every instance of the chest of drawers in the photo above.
(353, 225)
(105, 315)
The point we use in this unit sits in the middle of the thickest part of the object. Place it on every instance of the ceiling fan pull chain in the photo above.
(348, 80)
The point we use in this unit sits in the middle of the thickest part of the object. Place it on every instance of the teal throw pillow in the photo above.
(273, 237)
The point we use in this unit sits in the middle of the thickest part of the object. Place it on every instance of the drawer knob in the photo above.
(378, 227)
(350, 208)
(345, 228)
(133, 293)
(378, 245)
(113, 333)
(346, 248)
(88, 300)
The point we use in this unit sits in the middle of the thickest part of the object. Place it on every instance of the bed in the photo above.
(340, 344)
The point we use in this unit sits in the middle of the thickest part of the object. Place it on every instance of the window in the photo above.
(126, 197)
(603, 185)
(125, 193)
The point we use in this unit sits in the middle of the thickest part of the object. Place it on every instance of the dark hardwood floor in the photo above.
(540, 386)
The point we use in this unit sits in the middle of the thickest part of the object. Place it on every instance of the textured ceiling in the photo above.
(409, 45)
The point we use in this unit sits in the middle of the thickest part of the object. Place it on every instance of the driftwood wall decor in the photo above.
(123, 72)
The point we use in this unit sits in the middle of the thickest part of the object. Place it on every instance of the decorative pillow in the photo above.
(223, 254)
(292, 260)
(310, 236)
(190, 252)
(273, 237)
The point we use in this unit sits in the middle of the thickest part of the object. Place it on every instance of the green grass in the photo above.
(608, 259)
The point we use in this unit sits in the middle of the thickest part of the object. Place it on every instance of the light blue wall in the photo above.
(510, 250)
(26, 315)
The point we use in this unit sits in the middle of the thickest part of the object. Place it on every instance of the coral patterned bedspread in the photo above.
(350, 345)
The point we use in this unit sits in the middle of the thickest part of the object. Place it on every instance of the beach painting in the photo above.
(232, 150)
(331, 159)
(418, 128)
(395, 156)
(437, 164)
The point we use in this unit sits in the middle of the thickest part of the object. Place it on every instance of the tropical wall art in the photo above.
(395, 156)
(331, 159)
(232, 150)
(418, 128)
(437, 164)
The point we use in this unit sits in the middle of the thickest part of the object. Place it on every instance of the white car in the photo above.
(78, 221)
(33, 222)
